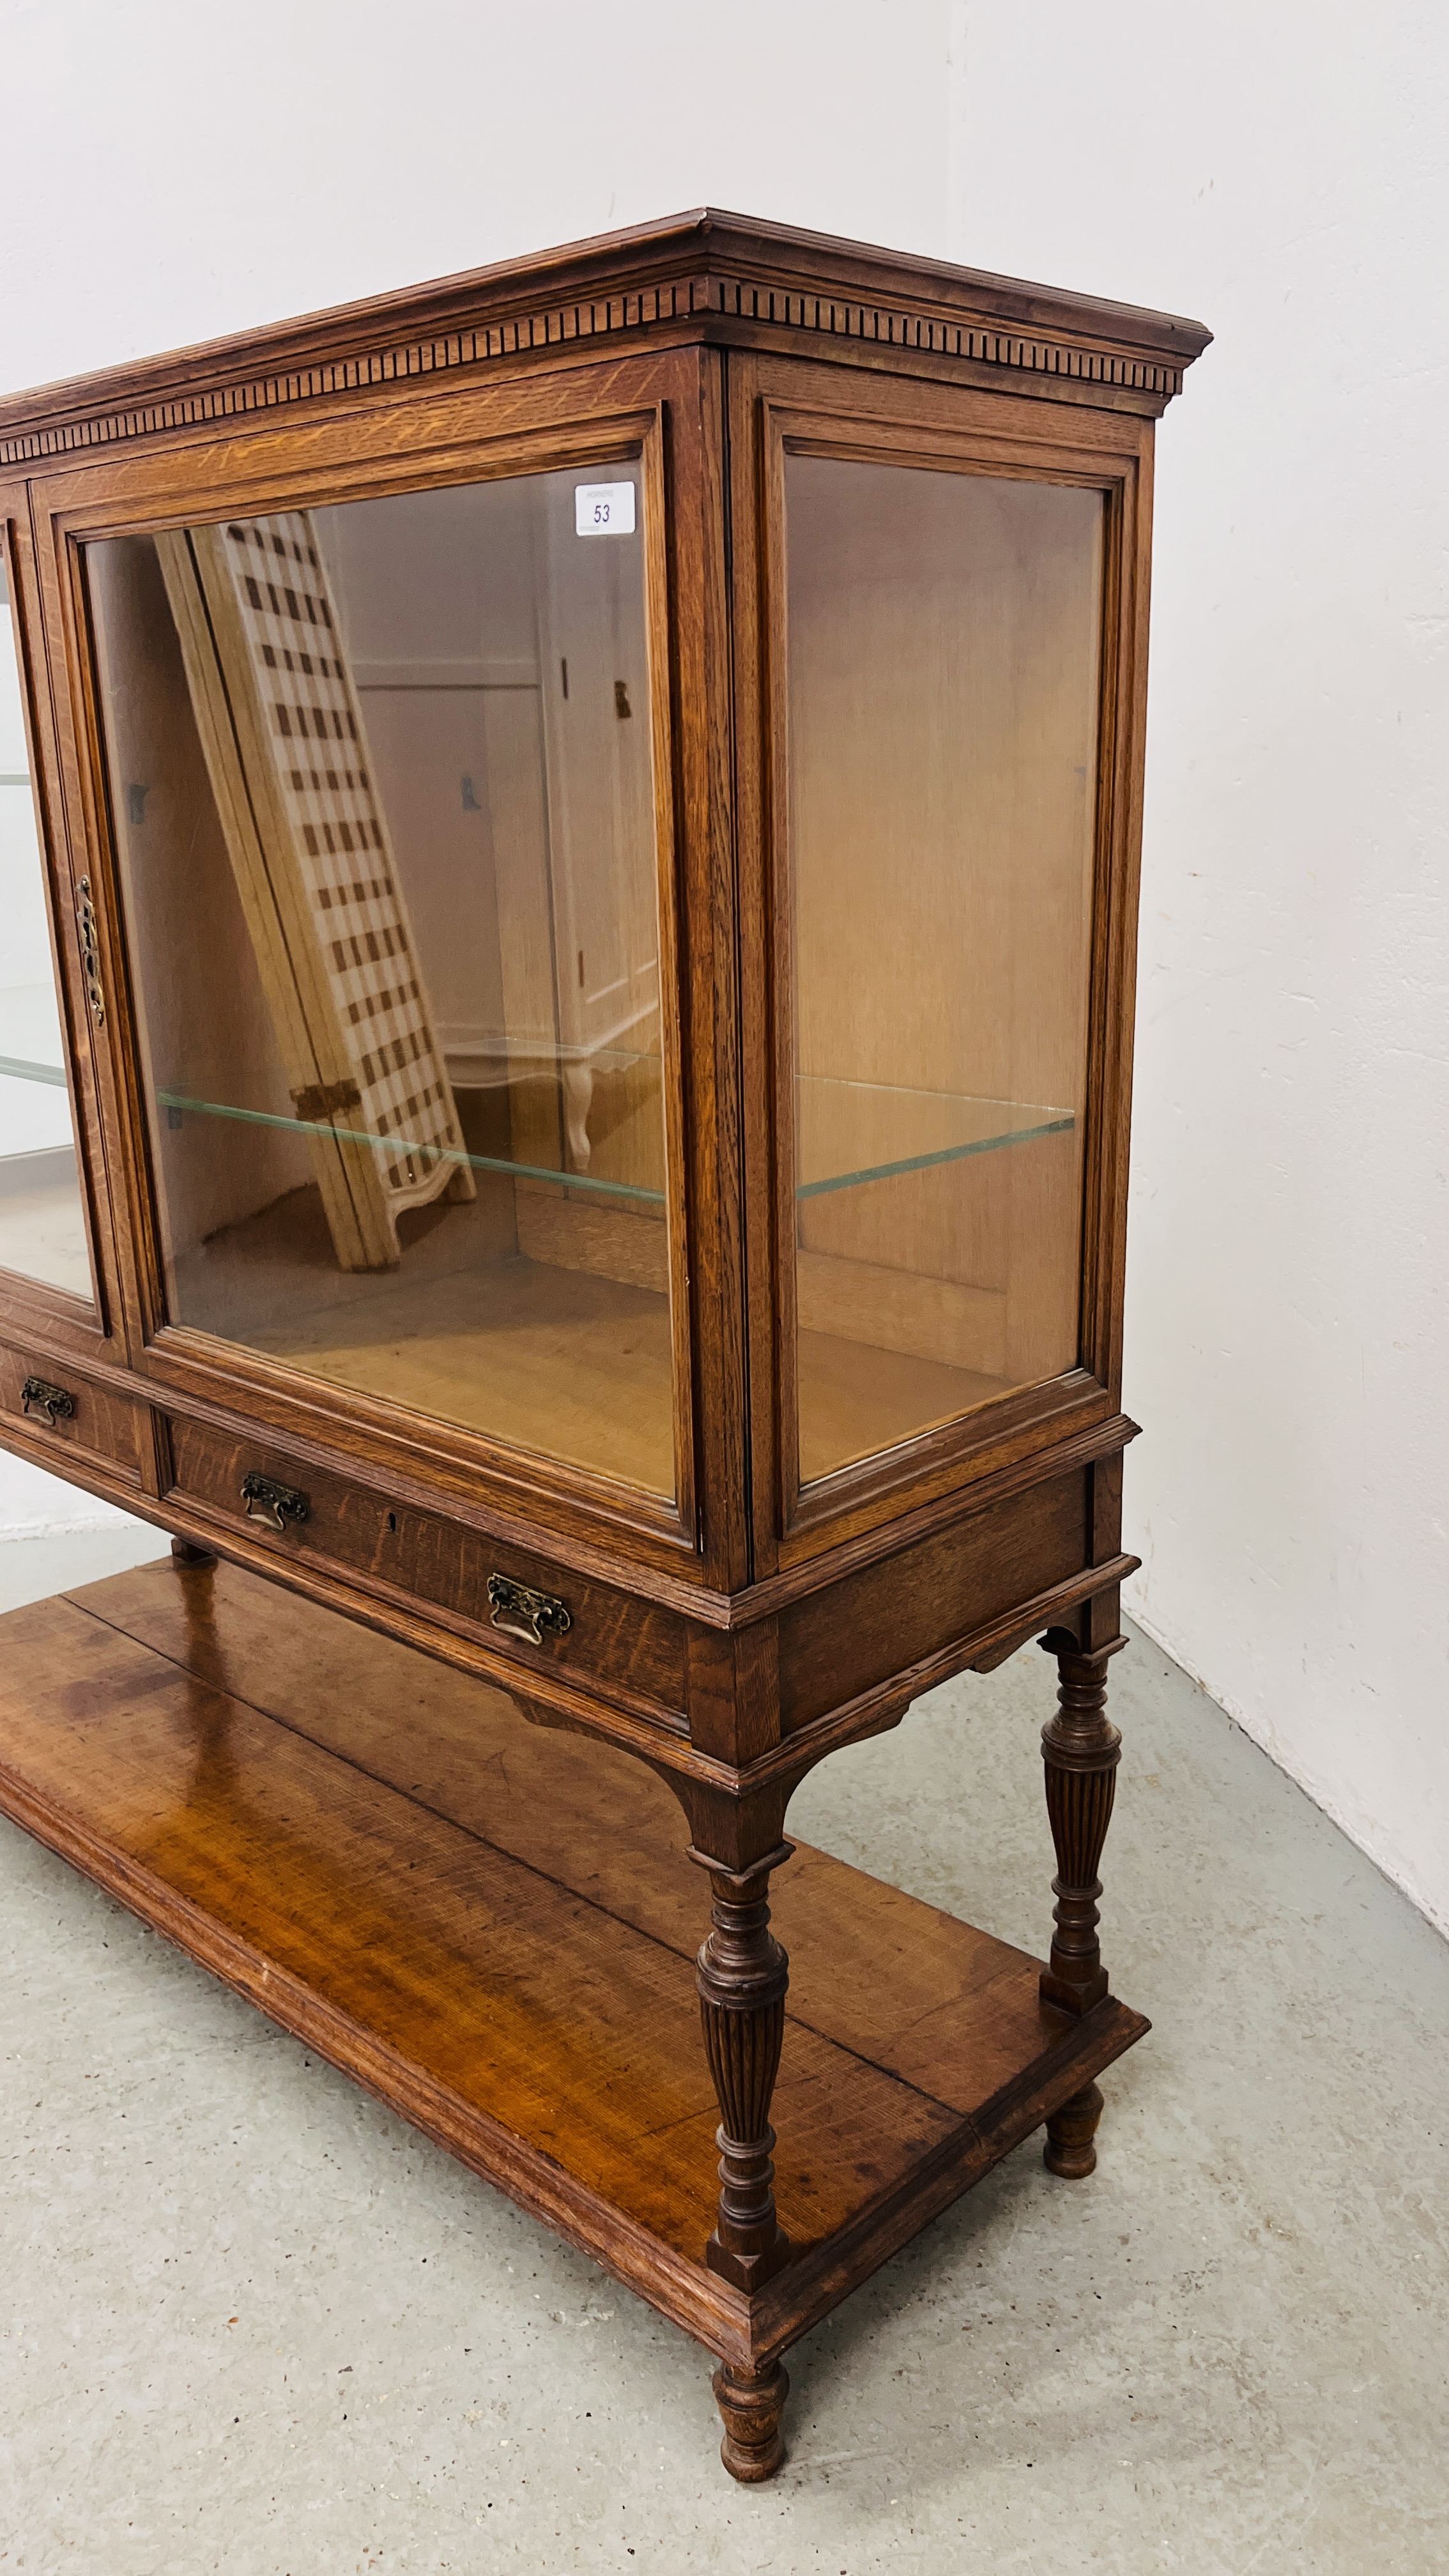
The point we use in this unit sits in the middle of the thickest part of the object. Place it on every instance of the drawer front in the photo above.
(841, 1641)
(628, 1647)
(53, 1404)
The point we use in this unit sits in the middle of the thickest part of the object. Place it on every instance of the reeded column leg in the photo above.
(1081, 1751)
(742, 1975)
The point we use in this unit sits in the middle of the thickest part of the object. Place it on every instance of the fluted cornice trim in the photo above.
(704, 275)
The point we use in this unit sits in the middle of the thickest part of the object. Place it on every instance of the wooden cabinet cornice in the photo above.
(571, 854)
(707, 276)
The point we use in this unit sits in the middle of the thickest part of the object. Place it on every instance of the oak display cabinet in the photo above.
(569, 847)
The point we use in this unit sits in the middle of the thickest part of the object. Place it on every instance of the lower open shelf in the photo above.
(493, 1927)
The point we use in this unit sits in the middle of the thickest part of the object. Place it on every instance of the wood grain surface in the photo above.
(880, 1448)
(494, 1926)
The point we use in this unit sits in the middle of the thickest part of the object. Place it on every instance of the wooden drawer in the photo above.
(629, 1648)
(902, 1610)
(101, 1427)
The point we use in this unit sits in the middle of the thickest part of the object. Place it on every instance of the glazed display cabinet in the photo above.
(566, 980)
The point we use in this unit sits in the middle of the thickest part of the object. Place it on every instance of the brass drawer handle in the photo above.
(521, 1612)
(271, 1504)
(48, 1403)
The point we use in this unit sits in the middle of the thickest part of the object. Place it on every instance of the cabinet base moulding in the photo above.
(494, 1930)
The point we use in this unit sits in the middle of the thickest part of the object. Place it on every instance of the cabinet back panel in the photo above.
(943, 642)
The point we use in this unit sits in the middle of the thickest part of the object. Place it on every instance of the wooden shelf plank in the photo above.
(493, 1926)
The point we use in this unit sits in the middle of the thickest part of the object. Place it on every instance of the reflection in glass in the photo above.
(383, 789)
(943, 676)
(42, 1226)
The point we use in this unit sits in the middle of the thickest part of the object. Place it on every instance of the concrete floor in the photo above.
(1226, 2352)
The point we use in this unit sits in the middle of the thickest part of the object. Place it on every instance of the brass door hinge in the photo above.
(90, 952)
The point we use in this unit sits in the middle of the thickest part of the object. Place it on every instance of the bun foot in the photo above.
(1070, 2131)
(751, 2403)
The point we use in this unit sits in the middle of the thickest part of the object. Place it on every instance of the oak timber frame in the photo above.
(735, 1636)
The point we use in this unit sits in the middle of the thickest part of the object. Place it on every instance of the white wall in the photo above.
(1277, 171)
(173, 171)
(1280, 172)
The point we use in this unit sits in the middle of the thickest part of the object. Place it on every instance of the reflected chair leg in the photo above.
(578, 1092)
(1081, 1751)
(750, 2404)
(742, 1976)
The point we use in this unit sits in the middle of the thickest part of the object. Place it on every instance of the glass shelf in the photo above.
(401, 1148)
(16, 1069)
(849, 1133)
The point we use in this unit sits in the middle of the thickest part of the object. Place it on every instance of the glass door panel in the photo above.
(383, 790)
(42, 1221)
(943, 691)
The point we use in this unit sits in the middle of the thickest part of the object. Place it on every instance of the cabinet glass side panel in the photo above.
(382, 787)
(944, 642)
(42, 1222)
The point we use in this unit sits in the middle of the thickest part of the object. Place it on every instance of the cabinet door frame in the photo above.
(36, 1313)
(778, 405)
(662, 408)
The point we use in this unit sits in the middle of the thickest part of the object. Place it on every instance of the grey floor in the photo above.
(250, 2322)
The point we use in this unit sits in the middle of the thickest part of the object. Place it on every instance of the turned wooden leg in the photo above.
(186, 1552)
(742, 1976)
(1070, 2131)
(1081, 1751)
(750, 2403)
